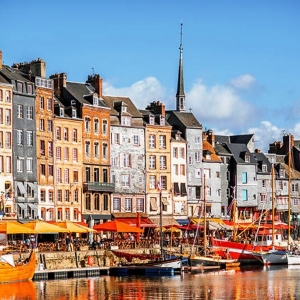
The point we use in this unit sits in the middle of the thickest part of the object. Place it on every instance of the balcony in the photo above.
(98, 187)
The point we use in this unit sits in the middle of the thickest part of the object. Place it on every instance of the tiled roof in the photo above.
(208, 147)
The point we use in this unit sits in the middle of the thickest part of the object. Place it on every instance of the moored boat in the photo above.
(274, 257)
(11, 271)
(214, 260)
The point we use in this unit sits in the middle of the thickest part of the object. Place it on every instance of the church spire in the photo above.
(180, 96)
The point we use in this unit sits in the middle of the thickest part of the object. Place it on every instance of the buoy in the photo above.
(91, 260)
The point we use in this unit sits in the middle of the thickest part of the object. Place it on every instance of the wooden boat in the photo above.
(214, 260)
(130, 255)
(11, 271)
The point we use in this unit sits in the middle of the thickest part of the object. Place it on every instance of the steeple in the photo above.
(180, 96)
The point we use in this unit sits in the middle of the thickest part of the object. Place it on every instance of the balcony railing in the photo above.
(98, 187)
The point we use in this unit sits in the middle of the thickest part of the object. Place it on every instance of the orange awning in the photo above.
(116, 226)
(145, 222)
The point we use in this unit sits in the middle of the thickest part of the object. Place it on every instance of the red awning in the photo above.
(145, 222)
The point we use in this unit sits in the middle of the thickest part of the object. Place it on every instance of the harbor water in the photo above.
(261, 283)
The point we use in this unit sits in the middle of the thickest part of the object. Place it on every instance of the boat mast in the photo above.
(160, 222)
(204, 202)
(289, 191)
(273, 211)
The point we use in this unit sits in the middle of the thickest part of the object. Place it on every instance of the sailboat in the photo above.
(209, 259)
(274, 256)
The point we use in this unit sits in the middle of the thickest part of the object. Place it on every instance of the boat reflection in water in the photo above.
(18, 291)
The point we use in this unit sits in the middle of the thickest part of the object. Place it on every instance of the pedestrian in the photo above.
(68, 243)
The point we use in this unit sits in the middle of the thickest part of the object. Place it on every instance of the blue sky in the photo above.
(241, 58)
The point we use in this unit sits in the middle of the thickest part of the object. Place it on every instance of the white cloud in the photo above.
(243, 82)
(220, 105)
(141, 93)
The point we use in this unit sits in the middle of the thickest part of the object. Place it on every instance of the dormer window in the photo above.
(126, 121)
(281, 173)
(74, 113)
(73, 102)
(124, 108)
(95, 100)
(264, 168)
(61, 111)
(247, 158)
(162, 120)
(151, 120)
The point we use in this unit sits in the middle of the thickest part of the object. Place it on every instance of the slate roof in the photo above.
(234, 139)
(3, 80)
(131, 108)
(260, 157)
(186, 118)
(237, 150)
(13, 74)
(81, 92)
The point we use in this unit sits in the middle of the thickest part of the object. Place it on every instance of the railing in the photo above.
(98, 187)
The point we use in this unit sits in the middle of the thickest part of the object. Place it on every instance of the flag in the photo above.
(158, 186)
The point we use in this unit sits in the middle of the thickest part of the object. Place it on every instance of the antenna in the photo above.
(93, 71)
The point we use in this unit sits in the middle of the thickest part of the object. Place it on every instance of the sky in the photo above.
(240, 58)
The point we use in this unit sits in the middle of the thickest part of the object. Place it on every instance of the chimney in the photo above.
(211, 138)
(96, 82)
(158, 108)
(38, 68)
(0, 59)
(257, 150)
(286, 142)
(59, 82)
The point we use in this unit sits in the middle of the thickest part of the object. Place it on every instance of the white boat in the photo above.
(274, 257)
(293, 259)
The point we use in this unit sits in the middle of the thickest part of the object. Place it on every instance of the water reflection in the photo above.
(263, 283)
(18, 291)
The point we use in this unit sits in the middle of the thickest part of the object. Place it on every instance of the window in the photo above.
(247, 158)
(175, 152)
(74, 113)
(197, 140)
(7, 116)
(20, 165)
(264, 168)
(66, 176)
(1, 164)
(75, 154)
(43, 196)
(244, 177)
(175, 168)
(104, 127)
(29, 138)
(75, 176)
(197, 156)
(96, 149)
(263, 183)
(181, 152)
(29, 164)
(1, 95)
(20, 111)
(128, 204)
(163, 182)
(151, 120)
(182, 169)
(19, 137)
(74, 135)
(49, 104)
(58, 153)
(125, 121)
(1, 115)
(244, 195)
(117, 138)
(152, 181)
(152, 141)
(66, 154)
(59, 195)
(42, 147)
(50, 195)
(96, 202)
(105, 202)
(162, 141)
(7, 96)
(61, 112)
(87, 149)
(87, 124)
(43, 169)
(281, 173)
(139, 204)
(50, 149)
(7, 140)
(88, 201)
(126, 160)
(30, 112)
(96, 126)
(105, 151)
(125, 180)
(136, 140)
(58, 172)
(75, 195)
(42, 125)
(294, 187)
(50, 170)
(207, 173)
(42, 104)
(96, 175)
(116, 204)
(66, 134)
(190, 160)
(58, 133)
(87, 174)
(163, 162)
(151, 162)
(67, 195)
(8, 164)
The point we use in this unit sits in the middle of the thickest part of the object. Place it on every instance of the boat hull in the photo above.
(25, 271)
(293, 259)
(198, 260)
(274, 257)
